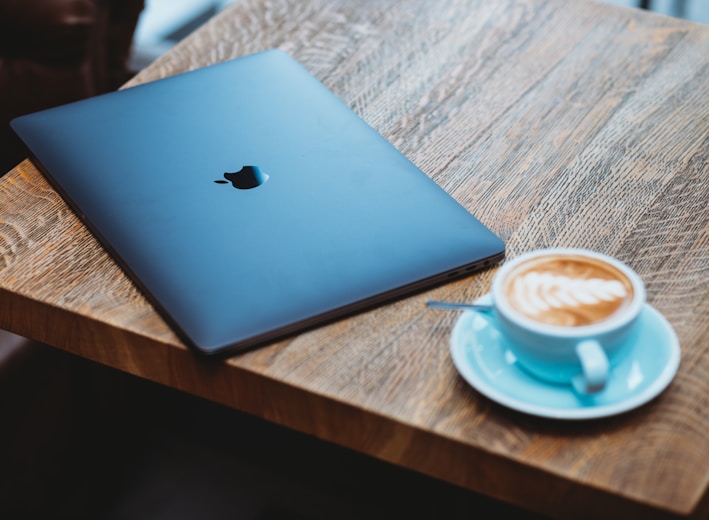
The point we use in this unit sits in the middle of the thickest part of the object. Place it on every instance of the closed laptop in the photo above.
(248, 202)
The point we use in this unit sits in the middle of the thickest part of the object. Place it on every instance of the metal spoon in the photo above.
(458, 306)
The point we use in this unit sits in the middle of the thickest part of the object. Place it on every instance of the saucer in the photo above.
(481, 356)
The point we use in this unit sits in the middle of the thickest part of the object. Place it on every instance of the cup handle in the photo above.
(595, 368)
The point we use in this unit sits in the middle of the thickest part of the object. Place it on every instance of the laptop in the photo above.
(248, 202)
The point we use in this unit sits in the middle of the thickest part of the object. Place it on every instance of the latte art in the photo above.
(539, 293)
(571, 291)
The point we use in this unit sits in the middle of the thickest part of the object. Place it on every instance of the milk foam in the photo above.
(567, 290)
(540, 292)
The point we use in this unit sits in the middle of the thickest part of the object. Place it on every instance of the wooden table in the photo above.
(557, 123)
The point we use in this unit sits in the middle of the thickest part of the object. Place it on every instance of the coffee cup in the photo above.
(568, 314)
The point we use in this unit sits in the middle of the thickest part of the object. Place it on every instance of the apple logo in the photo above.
(246, 178)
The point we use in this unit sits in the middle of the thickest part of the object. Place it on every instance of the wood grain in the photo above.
(557, 123)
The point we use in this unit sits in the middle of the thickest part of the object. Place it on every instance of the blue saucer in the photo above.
(481, 356)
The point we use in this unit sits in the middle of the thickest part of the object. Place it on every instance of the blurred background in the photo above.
(163, 23)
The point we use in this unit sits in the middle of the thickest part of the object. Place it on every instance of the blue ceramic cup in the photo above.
(569, 314)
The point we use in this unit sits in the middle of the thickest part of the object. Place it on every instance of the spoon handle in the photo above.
(457, 306)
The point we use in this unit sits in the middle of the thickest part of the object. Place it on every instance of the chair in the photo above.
(56, 51)
(51, 52)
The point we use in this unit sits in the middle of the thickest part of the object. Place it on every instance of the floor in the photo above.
(695, 10)
(165, 22)
(90, 442)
